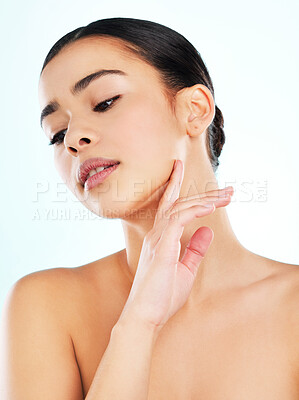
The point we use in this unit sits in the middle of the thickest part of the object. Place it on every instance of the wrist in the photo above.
(131, 324)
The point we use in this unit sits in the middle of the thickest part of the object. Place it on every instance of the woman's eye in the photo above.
(105, 105)
(100, 107)
(58, 137)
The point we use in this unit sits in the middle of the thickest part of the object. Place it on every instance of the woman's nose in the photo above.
(78, 138)
(74, 146)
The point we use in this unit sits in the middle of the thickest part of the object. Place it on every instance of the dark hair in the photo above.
(176, 59)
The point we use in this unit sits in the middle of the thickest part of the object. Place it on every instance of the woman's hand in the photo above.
(162, 283)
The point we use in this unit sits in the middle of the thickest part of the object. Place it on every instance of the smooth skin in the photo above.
(230, 332)
(162, 282)
(161, 286)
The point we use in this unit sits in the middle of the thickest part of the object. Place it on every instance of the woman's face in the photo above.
(138, 130)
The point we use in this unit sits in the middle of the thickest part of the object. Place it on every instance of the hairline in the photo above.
(128, 49)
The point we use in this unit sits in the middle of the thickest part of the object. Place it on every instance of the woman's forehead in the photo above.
(88, 55)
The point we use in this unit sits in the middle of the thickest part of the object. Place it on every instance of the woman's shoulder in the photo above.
(281, 289)
(273, 287)
(65, 288)
(50, 309)
(285, 273)
(279, 278)
(288, 276)
(62, 278)
(287, 309)
(265, 269)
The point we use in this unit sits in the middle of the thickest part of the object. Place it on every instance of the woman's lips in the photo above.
(92, 163)
(99, 177)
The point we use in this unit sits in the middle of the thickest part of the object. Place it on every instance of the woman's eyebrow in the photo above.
(83, 83)
(77, 88)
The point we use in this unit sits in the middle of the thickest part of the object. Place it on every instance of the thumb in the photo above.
(197, 248)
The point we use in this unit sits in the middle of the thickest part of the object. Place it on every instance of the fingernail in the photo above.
(224, 195)
(208, 205)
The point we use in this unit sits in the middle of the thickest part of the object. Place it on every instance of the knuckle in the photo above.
(173, 218)
(174, 209)
(167, 214)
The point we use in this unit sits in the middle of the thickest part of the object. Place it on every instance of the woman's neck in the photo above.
(220, 268)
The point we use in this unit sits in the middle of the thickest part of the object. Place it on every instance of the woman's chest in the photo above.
(243, 361)
(234, 356)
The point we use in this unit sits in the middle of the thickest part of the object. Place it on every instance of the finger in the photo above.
(189, 264)
(180, 205)
(217, 192)
(160, 225)
(173, 185)
(172, 190)
(175, 226)
(218, 201)
(196, 249)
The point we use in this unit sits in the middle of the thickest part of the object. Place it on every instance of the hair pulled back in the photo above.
(176, 59)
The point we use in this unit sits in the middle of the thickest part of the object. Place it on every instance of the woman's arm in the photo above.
(123, 373)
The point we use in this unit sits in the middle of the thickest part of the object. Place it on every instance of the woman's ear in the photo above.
(200, 109)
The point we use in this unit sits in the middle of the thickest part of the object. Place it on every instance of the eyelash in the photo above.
(96, 109)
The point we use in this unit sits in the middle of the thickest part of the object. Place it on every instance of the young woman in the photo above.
(184, 311)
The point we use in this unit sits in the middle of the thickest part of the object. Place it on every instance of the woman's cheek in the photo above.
(140, 127)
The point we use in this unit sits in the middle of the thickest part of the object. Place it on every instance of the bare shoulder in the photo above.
(287, 275)
(275, 289)
(285, 283)
(45, 284)
(69, 287)
(49, 284)
(291, 308)
(45, 317)
(60, 281)
(33, 330)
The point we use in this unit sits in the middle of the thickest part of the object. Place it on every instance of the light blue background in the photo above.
(251, 51)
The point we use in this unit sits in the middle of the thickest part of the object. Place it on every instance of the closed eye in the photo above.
(100, 107)
(105, 105)
(57, 137)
